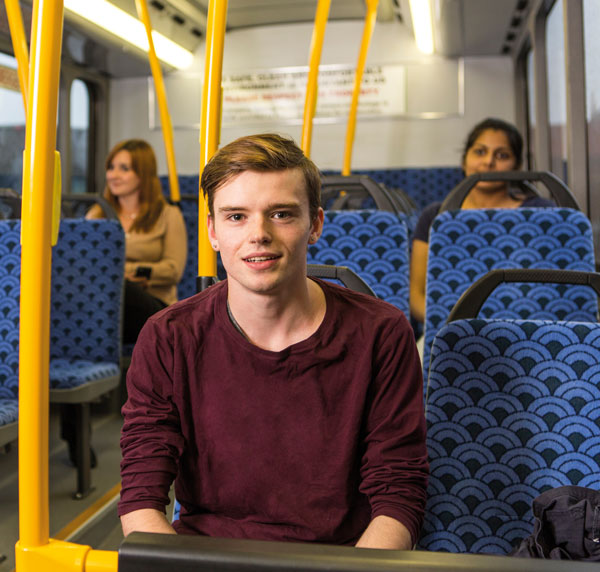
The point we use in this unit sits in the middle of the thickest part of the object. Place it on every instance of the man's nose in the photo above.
(259, 232)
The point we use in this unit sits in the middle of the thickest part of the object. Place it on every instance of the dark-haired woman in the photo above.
(492, 145)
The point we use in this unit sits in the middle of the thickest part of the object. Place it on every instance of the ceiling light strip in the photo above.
(420, 11)
(121, 24)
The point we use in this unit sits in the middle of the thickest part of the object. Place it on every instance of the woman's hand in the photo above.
(142, 281)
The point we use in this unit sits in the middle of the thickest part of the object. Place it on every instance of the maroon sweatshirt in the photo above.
(305, 444)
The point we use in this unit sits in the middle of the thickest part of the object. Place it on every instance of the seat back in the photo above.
(374, 244)
(464, 245)
(10, 290)
(423, 185)
(187, 285)
(342, 275)
(513, 409)
(87, 290)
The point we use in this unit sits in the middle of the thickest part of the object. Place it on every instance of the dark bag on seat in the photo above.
(566, 526)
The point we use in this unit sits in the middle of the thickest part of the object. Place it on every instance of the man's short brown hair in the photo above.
(263, 153)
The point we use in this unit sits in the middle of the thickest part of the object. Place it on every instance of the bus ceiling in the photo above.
(461, 27)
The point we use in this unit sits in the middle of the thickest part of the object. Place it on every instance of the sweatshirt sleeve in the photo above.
(167, 270)
(394, 467)
(151, 439)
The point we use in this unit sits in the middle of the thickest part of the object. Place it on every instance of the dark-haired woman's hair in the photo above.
(143, 163)
(512, 134)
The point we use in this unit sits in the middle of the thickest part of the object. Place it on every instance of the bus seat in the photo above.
(187, 284)
(374, 244)
(423, 185)
(85, 322)
(466, 244)
(342, 275)
(513, 409)
(10, 271)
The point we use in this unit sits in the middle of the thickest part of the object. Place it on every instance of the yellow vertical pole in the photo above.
(312, 85)
(34, 351)
(161, 96)
(210, 123)
(370, 19)
(17, 34)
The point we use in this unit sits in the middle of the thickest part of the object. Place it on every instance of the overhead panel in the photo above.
(245, 13)
(475, 27)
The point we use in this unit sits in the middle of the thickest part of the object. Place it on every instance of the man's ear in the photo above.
(210, 224)
(316, 227)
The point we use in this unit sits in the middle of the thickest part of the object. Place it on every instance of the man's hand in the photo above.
(385, 532)
(146, 520)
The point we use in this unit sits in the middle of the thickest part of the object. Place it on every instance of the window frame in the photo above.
(98, 126)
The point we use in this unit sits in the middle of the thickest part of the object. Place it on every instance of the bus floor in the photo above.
(93, 520)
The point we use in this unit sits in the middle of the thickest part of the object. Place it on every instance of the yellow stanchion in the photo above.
(101, 561)
(161, 96)
(312, 85)
(370, 19)
(36, 231)
(210, 122)
(19, 42)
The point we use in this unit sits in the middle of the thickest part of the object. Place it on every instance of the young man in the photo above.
(285, 408)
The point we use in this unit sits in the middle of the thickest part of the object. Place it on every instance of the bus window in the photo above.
(80, 136)
(12, 125)
(591, 21)
(557, 94)
(530, 111)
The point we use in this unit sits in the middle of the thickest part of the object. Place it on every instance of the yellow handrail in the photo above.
(370, 19)
(34, 350)
(210, 124)
(312, 84)
(17, 34)
(161, 96)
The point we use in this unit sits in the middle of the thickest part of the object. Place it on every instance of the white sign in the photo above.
(279, 95)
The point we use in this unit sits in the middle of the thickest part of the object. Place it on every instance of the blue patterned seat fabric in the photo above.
(86, 302)
(187, 284)
(372, 243)
(513, 409)
(10, 272)
(464, 245)
(9, 411)
(424, 186)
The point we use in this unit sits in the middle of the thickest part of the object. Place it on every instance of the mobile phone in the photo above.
(143, 272)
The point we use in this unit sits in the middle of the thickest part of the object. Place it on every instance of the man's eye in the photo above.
(235, 217)
(282, 214)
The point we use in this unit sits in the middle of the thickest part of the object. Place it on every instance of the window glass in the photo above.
(591, 21)
(80, 136)
(12, 125)
(557, 94)
(530, 111)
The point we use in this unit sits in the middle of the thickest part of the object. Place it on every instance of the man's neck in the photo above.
(275, 322)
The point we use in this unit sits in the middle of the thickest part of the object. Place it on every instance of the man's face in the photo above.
(262, 228)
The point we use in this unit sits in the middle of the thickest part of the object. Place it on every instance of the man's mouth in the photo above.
(260, 258)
